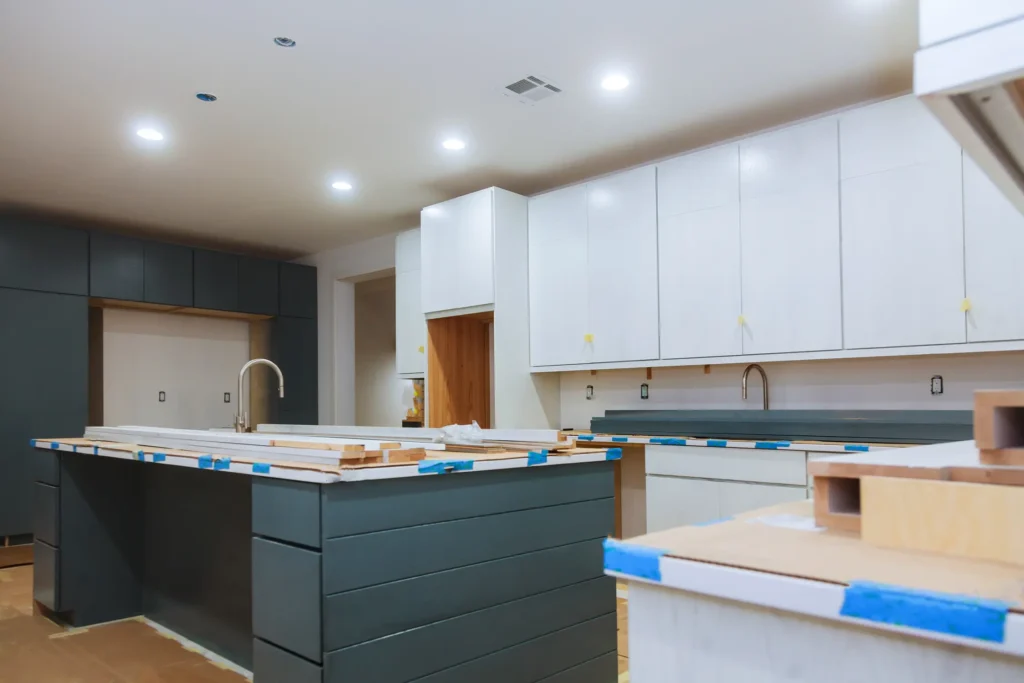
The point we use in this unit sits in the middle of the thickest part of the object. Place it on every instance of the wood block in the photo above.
(999, 427)
(317, 446)
(406, 455)
(837, 503)
(977, 521)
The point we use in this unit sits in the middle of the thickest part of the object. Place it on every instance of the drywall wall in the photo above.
(193, 360)
(863, 384)
(337, 271)
(378, 389)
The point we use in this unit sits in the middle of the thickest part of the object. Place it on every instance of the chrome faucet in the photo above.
(242, 419)
(764, 380)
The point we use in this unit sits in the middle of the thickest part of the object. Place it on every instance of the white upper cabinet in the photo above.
(994, 242)
(457, 249)
(558, 277)
(902, 218)
(699, 254)
(410, 323)
(622, 265)
(789, 231)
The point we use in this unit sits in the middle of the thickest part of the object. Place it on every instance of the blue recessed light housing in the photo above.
(206, 97)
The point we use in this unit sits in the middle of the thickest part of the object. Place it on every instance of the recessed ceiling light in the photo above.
(149, 134)
(615, 82)
(284, 42)
(206, 97)
(453, 144)
(341, 185)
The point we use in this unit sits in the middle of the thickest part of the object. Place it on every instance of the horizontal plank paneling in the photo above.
(360, 615)
(286, 510)
(370, 559)
(270, 663)
(416, 653)
(537, 659)
(397, 503)
(603, 669)
(286, 597)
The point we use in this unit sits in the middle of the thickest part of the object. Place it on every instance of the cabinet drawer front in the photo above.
(47, 467)
(732, 464)
(286, 597)
(46, 575)
(46, 514)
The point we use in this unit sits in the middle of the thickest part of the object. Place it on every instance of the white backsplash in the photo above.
(856, 384)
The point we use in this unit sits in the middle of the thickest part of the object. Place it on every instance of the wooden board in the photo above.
(999, 426)
(836, 557)
(978, 521)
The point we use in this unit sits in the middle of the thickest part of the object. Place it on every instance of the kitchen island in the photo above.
(454, 568)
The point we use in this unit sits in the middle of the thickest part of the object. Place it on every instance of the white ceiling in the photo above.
(373, 87)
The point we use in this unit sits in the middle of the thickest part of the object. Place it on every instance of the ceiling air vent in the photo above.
(531, 90)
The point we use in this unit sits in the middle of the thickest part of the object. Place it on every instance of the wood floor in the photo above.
(35, 650)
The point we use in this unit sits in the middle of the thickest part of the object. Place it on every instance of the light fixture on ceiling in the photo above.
(283, 41)
(150, 134)
(341, 185)
(615, 82)
(454, 144)
(206, 97)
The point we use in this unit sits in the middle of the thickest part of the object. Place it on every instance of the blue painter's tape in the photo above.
(958, 615)
(74, 448)
(765, 444)
(634, 560)
(717, 443)
(159, 457)
(141, 456)
(657, 441)
(261, 468)
(222, 464)
(444, 466)
(32, 443)
(536, 458)
(613, 454)
(585, 437)
(714, 521)
(620, 439)
(675, 442)
(95, 450)
(784, 444)
(855, 447)
(205, 462)
(54, 446)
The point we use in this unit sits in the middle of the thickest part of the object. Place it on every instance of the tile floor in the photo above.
(35, 650)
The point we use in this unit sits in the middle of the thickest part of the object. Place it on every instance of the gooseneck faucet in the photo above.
(242, 419)
(764, 380)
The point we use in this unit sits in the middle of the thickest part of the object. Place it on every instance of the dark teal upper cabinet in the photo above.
(115, 267)
(42, 256)
(257, 285)
(215, 276)
(298, 290)
(168, 274)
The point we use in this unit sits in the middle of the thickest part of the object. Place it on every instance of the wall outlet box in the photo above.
(590, 392)
(644, 391)
(936, 385)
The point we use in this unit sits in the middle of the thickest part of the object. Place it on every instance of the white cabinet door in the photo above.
(903, 257)
(622, 249)
(457, 253)
(903, 237)
(994, 242)
(410, 325)
(558, 277)
(736, 498)
(673, 501)
(789, 235)
(699, 254)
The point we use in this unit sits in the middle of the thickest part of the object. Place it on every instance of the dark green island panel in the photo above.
(463, 577)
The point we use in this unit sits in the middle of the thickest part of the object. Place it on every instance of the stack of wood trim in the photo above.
(495, 440)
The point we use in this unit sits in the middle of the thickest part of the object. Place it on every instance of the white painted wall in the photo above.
(193, 359)
(337, 271)
(378, 389)
(856, 384)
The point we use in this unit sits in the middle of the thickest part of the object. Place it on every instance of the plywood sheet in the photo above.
(979, 521)
(834, 556)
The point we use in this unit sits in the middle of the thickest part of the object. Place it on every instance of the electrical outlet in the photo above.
(936, 385)
(227, 397)
(162, 396)
(590, 392)
(644, 392)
